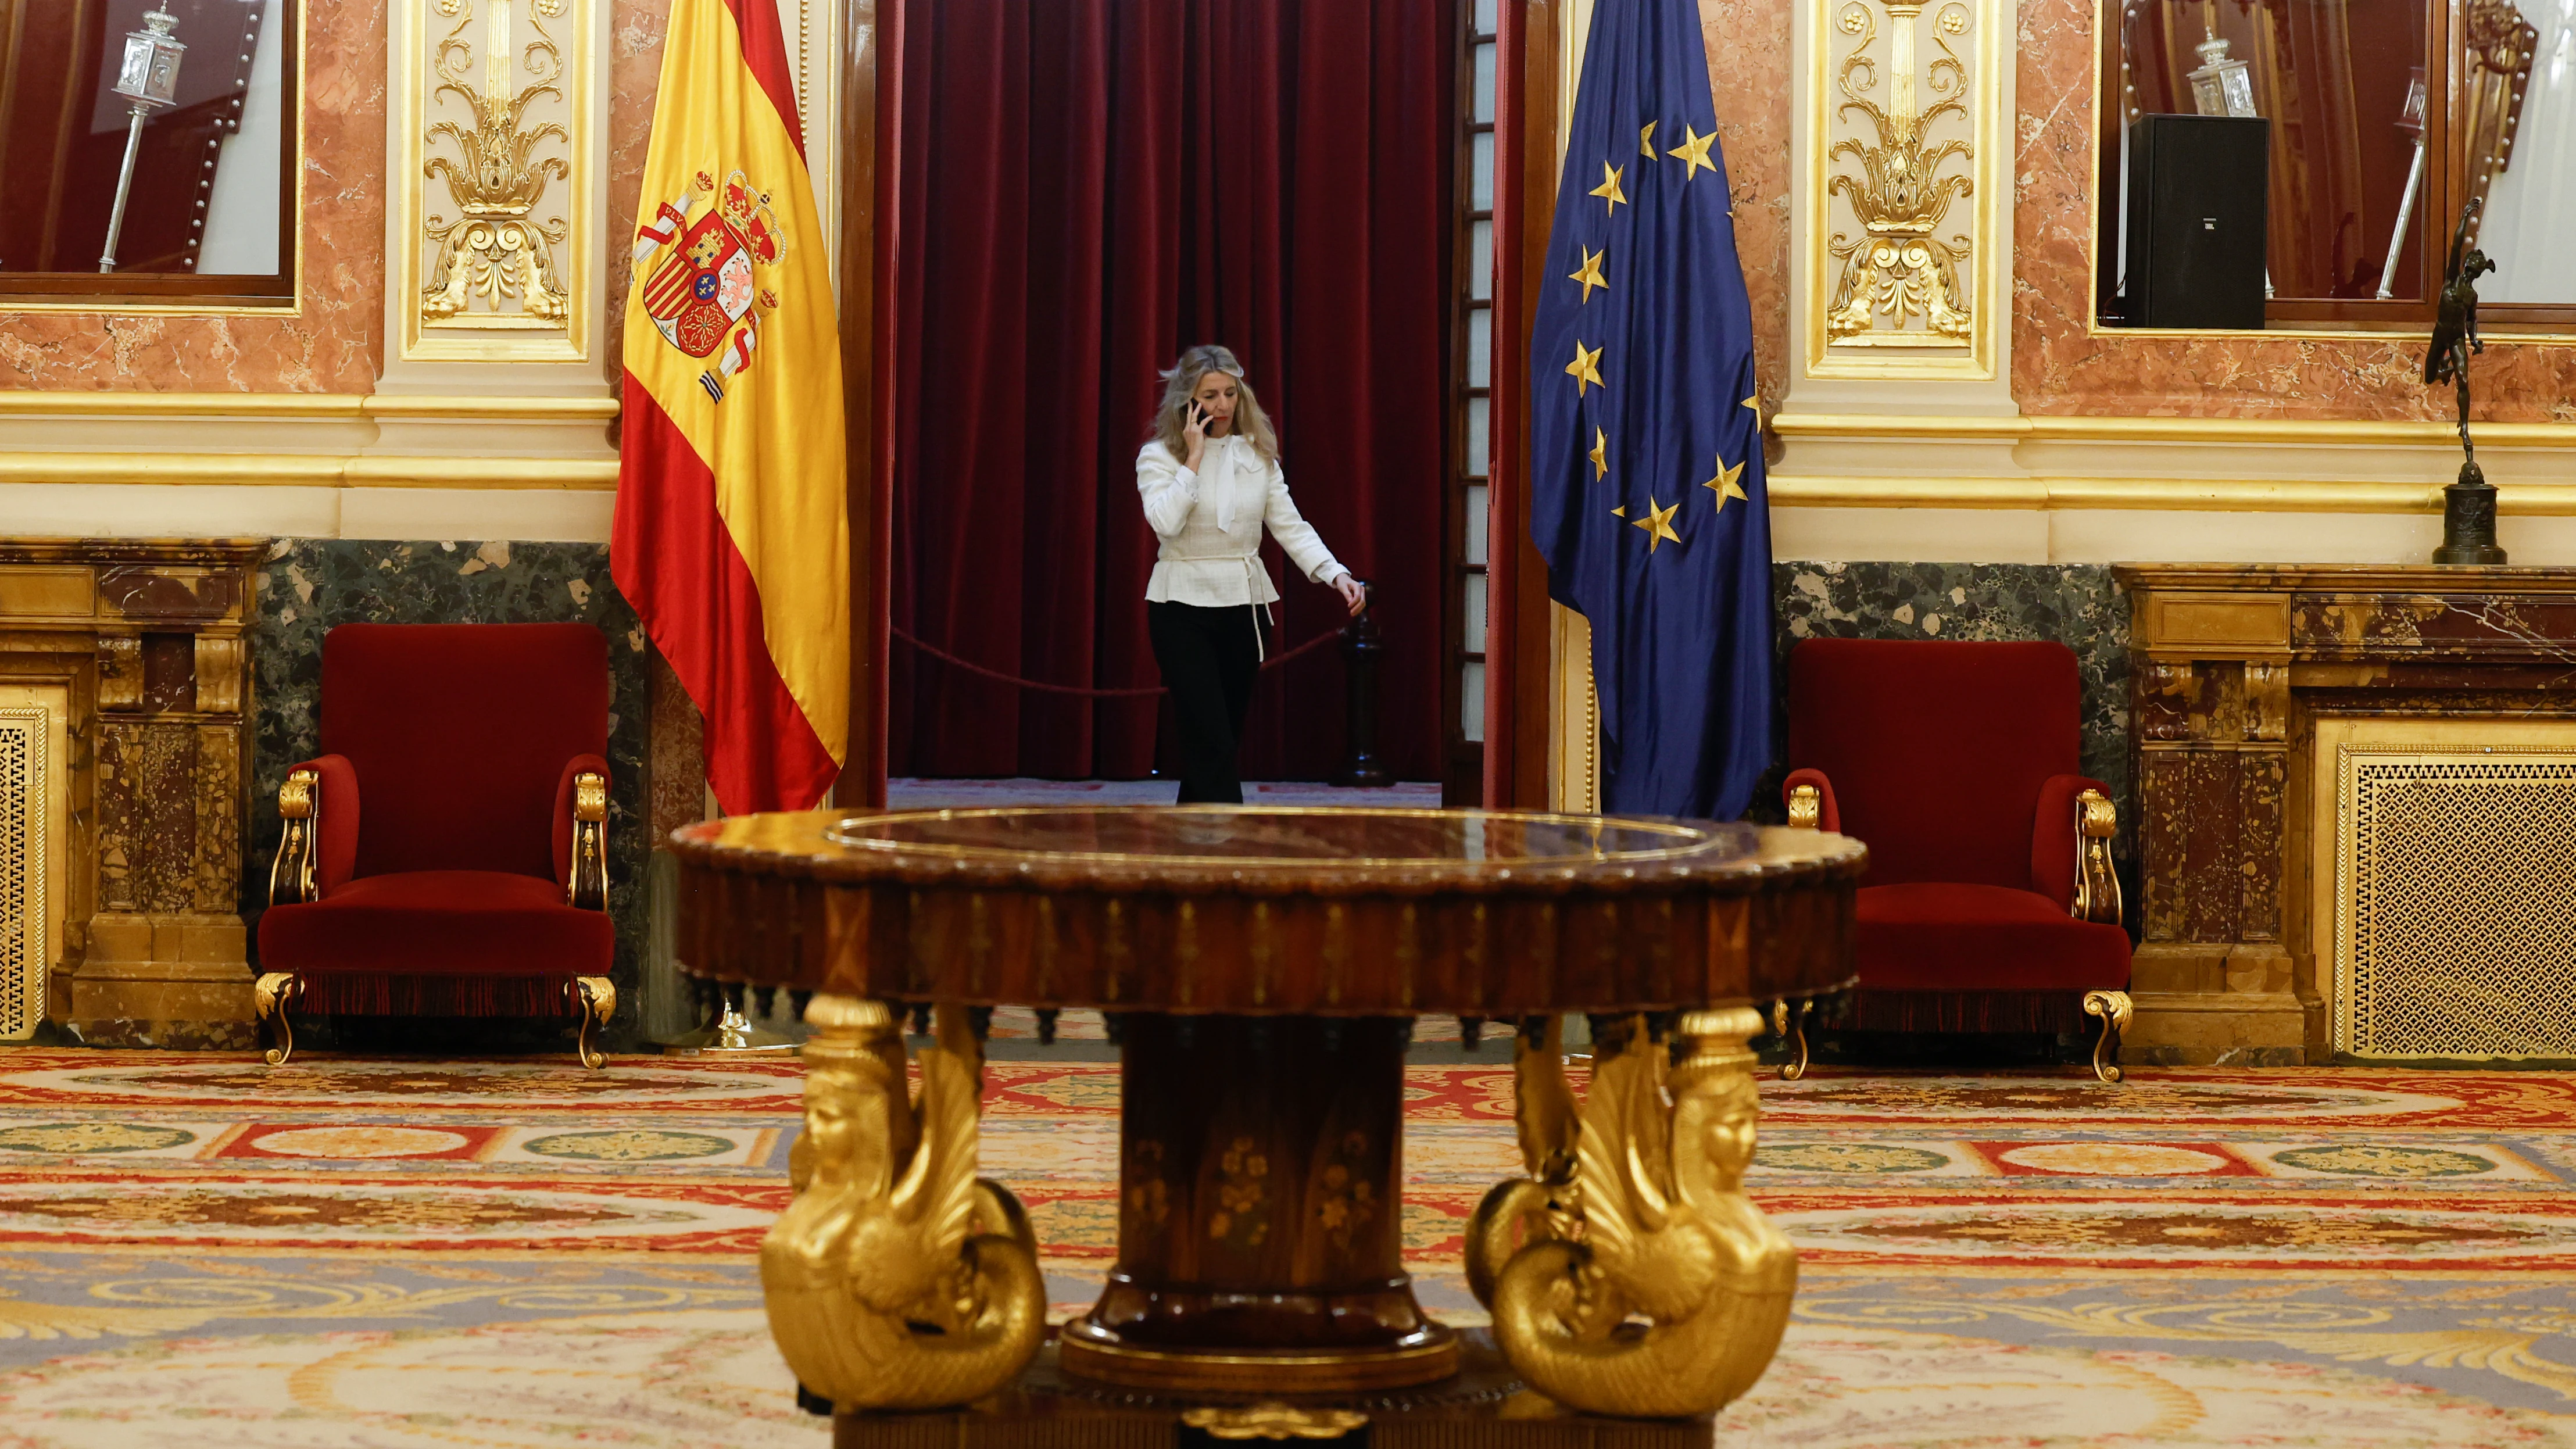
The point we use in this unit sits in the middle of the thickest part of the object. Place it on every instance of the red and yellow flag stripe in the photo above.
(732, 532)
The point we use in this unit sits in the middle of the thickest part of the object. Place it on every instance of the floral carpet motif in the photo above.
(194, 1249)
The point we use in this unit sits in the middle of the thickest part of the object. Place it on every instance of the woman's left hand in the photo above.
(1352, 594)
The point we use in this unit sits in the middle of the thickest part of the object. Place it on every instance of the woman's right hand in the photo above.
(1194, 436)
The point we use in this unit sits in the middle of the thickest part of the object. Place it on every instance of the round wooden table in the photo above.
(1262, 967)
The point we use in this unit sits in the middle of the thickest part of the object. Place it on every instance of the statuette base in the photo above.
(731, 1034)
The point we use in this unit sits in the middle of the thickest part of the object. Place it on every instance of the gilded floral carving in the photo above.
(1899, 279)
(496, 256)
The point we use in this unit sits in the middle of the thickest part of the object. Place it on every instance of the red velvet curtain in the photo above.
(1088, 186)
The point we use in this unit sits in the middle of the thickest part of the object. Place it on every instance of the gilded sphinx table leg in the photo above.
(897, 1279)
(1259, 1293)
(1635, 1209)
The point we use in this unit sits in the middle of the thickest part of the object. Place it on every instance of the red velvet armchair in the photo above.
(447, 852)
(1990, 903)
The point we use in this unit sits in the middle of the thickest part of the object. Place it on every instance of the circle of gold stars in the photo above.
(1693, 152)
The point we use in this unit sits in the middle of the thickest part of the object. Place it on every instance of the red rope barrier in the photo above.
(935, 652)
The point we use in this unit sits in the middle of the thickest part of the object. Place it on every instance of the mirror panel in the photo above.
(2517, 132)
(208, 201)
(2343, 84)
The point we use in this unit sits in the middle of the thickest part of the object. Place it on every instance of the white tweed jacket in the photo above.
(1210, 525)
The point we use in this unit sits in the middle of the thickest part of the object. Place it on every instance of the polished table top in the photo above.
(1267, 910)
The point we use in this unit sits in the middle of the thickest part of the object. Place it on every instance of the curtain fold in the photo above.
(1088, 186)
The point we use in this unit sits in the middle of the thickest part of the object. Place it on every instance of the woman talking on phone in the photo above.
(1211, 481)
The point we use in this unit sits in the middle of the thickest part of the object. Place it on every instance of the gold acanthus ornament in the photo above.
(496, 248)
(291, 876)
(2097, 885)
(1628, 1273)
(897, 1279)
(1899, 270)
(588, 887)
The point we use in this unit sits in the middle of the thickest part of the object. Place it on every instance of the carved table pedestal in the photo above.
(1262, 967)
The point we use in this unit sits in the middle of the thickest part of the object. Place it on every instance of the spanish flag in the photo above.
(732, 538)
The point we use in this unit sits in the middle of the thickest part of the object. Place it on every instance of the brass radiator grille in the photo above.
(23, 821)
(2455, 875)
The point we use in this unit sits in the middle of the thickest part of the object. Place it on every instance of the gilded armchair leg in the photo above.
(598, 1004)
(2113, 1007)
(1789, 1022)
(270, 995)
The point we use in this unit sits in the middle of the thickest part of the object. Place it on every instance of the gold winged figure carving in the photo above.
(897, 1279)
(1642, 1282)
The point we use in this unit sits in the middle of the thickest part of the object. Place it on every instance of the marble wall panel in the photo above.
(309, 585)
(331, 343)
(2061, 368)
(635, 30)
(1748, 76)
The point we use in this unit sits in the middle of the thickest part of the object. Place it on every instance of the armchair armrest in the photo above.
(1810, 798)
(318, 849)
(2070, 848)
(581, 832)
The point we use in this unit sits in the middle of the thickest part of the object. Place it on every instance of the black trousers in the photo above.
(1209, 659)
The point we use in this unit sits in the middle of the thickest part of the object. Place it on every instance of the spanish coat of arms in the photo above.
(702, 295)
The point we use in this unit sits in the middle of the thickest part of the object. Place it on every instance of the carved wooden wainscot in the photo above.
(2357, 785)
(123, 690)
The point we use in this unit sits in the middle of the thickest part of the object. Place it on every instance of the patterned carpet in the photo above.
(425, 1255)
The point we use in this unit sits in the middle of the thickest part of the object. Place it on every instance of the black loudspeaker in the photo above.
(2197, 192)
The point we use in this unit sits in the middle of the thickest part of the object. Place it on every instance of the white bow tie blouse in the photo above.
(1210, 525)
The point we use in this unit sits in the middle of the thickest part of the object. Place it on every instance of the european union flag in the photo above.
(1645, 430)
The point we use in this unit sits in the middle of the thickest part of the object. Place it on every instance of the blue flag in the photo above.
(1646, 493)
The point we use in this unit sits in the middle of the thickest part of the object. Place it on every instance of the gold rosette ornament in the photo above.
(897, 1279)
(1628, 1273)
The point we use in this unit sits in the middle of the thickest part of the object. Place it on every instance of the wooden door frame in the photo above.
(1516, 602)
(871, 122)
(1516, 649)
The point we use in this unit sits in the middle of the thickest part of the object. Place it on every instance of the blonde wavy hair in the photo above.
(1182, 381)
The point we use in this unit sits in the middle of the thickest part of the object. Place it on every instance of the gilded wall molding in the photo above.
(2253, 465)
(1902, 238)
(814, 32)
(2229, 432)
(1899, 282)
(301, 406)
(1573, 705)
(308, 440)
(309, 470)
(498, 231)
(2207, 495)
(498, 139)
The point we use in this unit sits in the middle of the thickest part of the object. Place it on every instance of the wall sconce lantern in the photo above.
(149, 79)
